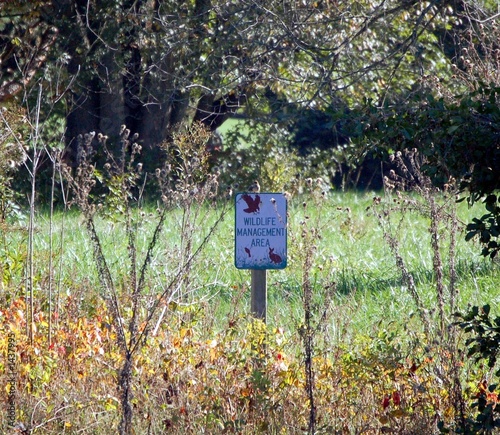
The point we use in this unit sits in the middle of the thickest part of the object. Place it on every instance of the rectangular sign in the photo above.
(260, 231)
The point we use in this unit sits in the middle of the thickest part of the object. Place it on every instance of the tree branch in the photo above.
(11, 88)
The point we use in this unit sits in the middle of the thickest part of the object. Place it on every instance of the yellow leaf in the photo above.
(185, 332)
(397, 413)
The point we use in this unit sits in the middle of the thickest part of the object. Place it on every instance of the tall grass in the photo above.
(351, 245)
(196, 373)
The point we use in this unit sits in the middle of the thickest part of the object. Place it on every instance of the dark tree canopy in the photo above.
(459, 133)
(157, 65)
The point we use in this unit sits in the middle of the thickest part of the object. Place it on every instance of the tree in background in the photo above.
(27, 42)
(458, 133)
(12, 155)
(158, 65)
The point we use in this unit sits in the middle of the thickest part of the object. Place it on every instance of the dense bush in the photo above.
(460, 139)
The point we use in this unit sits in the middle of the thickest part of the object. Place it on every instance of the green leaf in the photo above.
(470, 235)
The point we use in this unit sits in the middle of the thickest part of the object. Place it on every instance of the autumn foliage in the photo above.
(244, 378)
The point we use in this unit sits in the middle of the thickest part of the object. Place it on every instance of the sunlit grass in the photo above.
(370, 332)
(351, 252)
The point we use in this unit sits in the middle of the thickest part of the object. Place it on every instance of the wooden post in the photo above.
(259, 294)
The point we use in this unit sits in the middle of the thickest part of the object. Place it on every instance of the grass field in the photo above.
(206, 369)
(351, 252)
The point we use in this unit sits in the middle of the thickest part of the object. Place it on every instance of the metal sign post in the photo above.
(258, 303)
(260, 241)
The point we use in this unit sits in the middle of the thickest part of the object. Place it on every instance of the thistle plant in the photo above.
(415, 193)
(305, 241)
(186, 183)
(115, 191)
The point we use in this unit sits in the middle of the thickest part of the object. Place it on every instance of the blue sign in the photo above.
(260, 231)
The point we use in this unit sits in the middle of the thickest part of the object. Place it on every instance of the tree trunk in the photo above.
(111, 106)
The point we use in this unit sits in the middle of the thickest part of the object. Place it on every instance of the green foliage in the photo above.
(258, 151)
(332, 145)
(483, 345)
(458, 133)
(485, 342)
(487, 228)
(459, 139)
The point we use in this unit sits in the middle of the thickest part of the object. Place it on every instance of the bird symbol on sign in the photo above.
(248, 252)
(253, 204)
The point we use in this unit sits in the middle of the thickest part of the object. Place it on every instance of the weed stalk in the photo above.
(424, 201)
(188, 188)
(310, 234)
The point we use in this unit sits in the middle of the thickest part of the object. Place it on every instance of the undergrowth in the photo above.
(151, 333)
